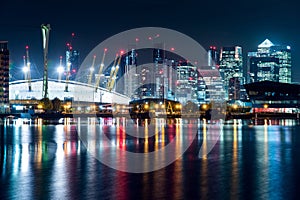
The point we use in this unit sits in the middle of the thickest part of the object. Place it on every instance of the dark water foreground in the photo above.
(247, 162)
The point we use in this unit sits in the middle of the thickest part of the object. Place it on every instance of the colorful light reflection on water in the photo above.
(248, 161)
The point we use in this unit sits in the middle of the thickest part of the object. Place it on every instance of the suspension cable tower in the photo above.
(92, 69)
(111, 72)
(28, 68)
(115, 72)
(100, 70)
(45, 32)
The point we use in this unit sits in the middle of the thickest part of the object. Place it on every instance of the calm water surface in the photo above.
(246, 161)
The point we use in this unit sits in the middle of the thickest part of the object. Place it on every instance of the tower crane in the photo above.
(28, 68)
(100, 71)
(91, 71)
(115, 72)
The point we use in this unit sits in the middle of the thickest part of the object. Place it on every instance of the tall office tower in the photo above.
(72, 56)
(131, 75)
(270, 62)
(213, 56)
(214, 90)
(263, 69)
(158, 53)
(187, 83)
(231, 67)
(283, 54)
(4, 77)
(251, 73)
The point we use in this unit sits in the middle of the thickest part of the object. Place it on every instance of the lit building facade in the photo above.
(263, 69)
(231, 67)
(187, 84)
(270, 63)
(283, 54)
(131, 79)
(4, 77)
(72, 57)
(274, 97)
(213, 56)
(213, 84)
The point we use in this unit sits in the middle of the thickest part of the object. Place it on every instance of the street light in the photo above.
(25, 70)
(60, 70)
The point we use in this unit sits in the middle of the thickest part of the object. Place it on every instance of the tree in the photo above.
(46, 104)
(56, 104)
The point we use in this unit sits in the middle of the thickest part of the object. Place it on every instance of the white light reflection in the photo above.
(211, 135)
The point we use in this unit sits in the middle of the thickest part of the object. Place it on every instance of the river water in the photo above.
(238, 160)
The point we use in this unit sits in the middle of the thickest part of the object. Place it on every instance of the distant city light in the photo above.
(60, 69)
(25, 69)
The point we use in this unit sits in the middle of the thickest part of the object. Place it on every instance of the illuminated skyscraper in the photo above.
(213, 56)
(231, 67)
(270, 62)
(72, 56)
(214, 90)
(4, 77)
(283, 54)
(187, 83)
(131, 75)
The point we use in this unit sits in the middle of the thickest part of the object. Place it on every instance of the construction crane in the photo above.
(28, 68)
(100, 70)
(115, 70)
(91, 71)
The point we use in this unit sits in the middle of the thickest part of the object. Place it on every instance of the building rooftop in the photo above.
(266, 44)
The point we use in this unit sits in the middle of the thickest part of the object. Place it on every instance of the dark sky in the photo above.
(220, 23)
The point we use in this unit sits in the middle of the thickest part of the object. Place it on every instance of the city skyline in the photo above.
(244, 25)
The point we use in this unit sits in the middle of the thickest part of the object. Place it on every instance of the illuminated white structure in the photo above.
(77, 91)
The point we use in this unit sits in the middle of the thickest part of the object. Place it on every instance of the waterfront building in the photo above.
(231, 66)
(274, 97)
(4, 77)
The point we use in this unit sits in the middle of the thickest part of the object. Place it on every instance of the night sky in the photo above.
(220, 23)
